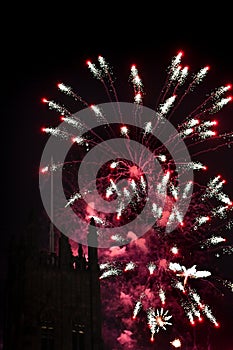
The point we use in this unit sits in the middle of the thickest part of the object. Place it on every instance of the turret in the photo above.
(65, 253)
(80, 260)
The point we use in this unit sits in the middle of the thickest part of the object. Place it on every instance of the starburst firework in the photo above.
(164, 275)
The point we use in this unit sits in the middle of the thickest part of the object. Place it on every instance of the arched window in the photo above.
(47, 323)
(78, 335)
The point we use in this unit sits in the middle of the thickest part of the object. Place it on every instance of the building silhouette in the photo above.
(53, 298)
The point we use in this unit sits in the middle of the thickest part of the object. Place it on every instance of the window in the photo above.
(47, 336)
(78, 336)
(47, 331)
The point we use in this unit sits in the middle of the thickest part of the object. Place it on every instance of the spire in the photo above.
(51, 230)
(92, 242)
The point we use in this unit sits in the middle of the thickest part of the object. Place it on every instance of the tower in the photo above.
(53, 299)
(94, 271)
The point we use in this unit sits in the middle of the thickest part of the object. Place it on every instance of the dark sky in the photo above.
(39, 50)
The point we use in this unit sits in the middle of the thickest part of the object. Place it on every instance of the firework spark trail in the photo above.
(74, 121)
(104, 65)
(214, 96)
(68, 91)
(171, 69)
(99, 74)
(181, 79)
(198, 77)
(176, 74)
(164, 268)
(137, 84)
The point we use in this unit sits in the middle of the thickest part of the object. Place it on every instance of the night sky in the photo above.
(38, 53)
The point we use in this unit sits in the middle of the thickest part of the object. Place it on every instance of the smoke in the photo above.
(125, 339)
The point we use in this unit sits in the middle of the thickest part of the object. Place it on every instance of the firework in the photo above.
(165, 282)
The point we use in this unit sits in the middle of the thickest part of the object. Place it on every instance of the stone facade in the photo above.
(53, 299)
